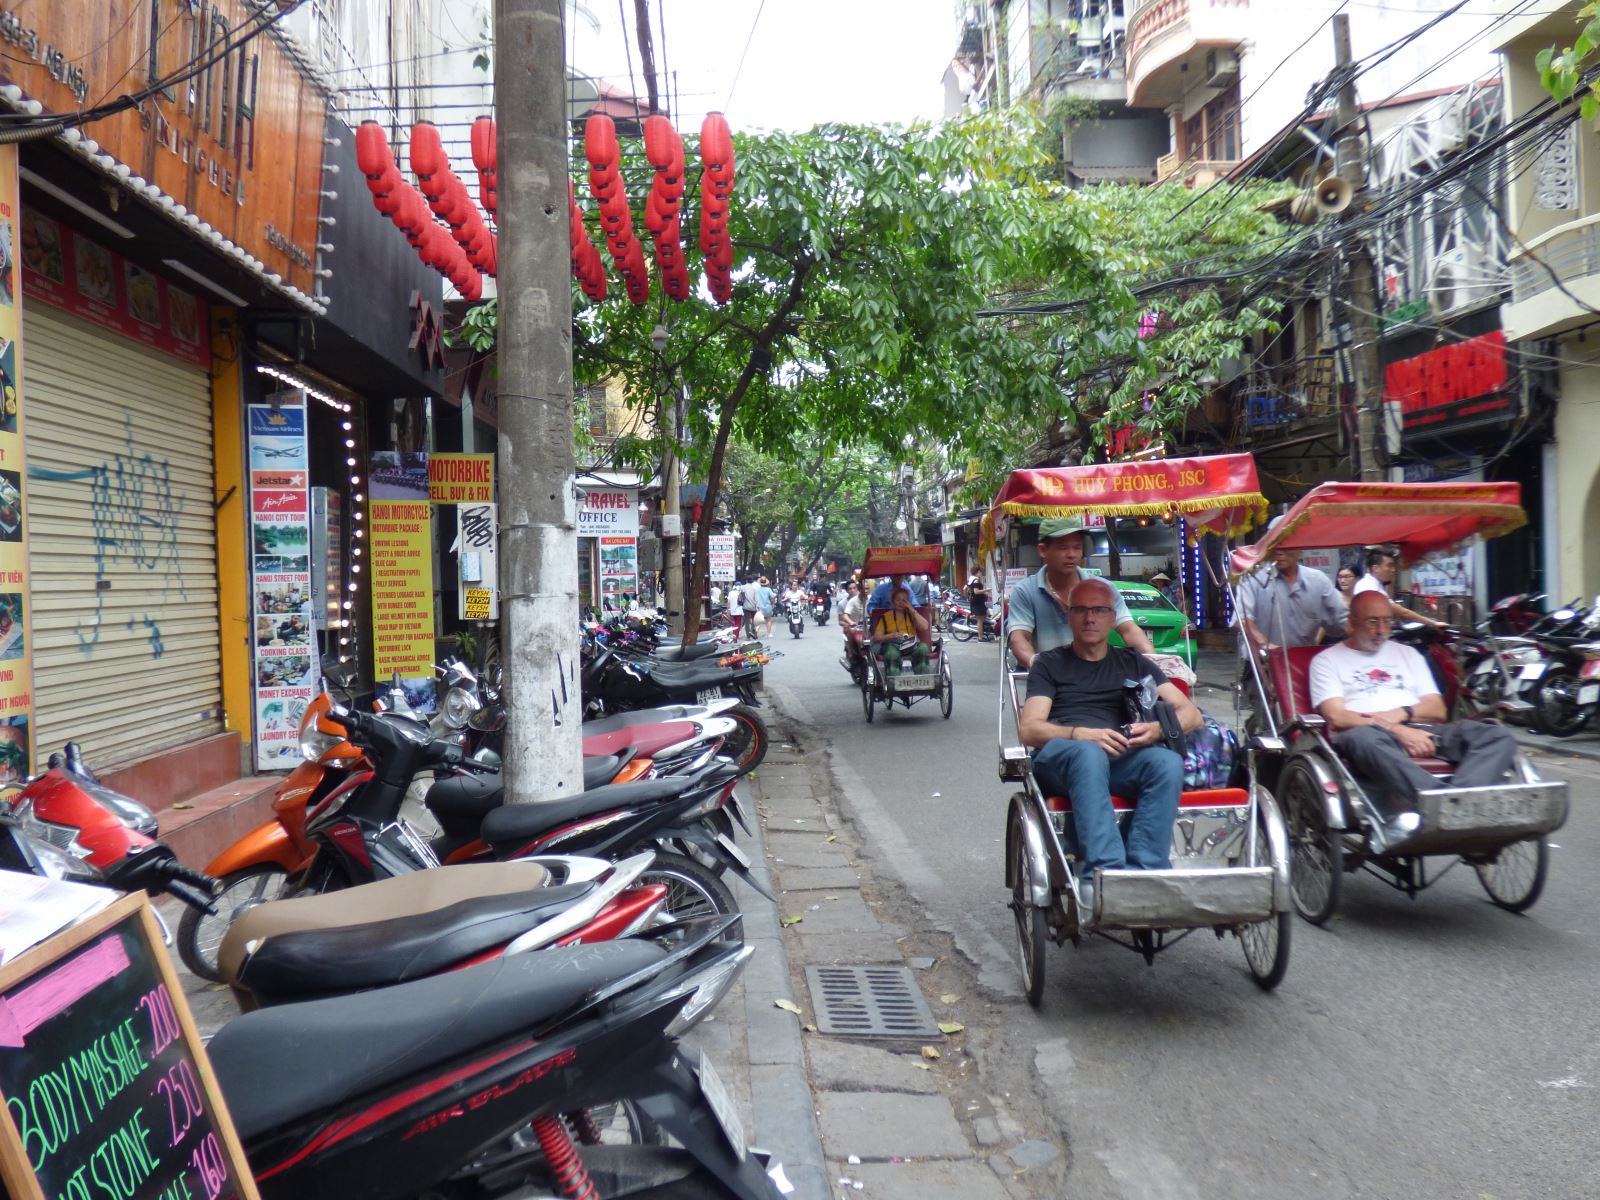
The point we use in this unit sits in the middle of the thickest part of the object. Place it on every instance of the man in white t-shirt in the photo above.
(1384, 709)
(1382, 567)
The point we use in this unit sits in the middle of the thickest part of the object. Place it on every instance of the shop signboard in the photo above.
(477, 533)
(1442, 575)
(461, 478)
(16, 612)
(619, 571)
(238, 142)
(401, 532)
(104, 1081)
(1467, 380)
(1326, 561)
(608, 512)
(720, 554)
(285, 606)
(64, 269)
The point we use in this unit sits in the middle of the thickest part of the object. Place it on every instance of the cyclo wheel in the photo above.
(947, 688)
(1266, 943)
(1515, 879)
(1316, 853)
(1031, 932)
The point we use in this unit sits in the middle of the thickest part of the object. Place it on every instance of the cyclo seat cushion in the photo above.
(1290, 670)
(1203, 798)
(400, 898)
(280, 1064)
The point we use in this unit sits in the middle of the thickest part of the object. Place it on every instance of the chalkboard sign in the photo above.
(106, 1087)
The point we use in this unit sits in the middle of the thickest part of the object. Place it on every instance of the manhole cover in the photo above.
(869, 1002)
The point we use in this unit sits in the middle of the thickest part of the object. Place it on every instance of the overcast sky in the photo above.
(809, 61)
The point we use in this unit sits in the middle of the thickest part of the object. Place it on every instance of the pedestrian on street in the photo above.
(767, 604)
(735, 611)
(750, 606)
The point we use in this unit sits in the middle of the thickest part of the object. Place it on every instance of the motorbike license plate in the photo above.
(708, 695)
(1589, 693)
(1532, 670)
(721, 1103)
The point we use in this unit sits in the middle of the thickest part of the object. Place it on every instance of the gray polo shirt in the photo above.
(1291, 615)
(1031, 606)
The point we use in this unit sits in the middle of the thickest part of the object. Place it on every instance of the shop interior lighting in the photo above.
(44, 185)
(215, 289)
(295, 381)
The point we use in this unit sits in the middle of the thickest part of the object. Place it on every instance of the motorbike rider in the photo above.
(853, 620)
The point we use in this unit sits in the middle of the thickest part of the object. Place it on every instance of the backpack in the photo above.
(1211, 757)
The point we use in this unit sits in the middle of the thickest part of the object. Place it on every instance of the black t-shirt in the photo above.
(977, 595)
(1089, 693)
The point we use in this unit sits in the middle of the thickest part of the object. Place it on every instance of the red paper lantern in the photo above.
(600, 141)
(716, 142)
(372, 149)
(483, 144)
(427, 152)
(661, 142)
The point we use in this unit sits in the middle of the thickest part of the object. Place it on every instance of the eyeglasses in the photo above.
(1376, 623)
(1098, 611)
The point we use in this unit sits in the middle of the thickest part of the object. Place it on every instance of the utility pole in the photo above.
(1370, 451)
(669, 426)
(538, 532)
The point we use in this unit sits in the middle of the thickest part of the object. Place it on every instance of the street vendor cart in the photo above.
(1230, 844)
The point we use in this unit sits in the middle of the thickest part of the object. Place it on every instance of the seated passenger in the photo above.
(1087, 750)
(899, 628)
(1384, 710)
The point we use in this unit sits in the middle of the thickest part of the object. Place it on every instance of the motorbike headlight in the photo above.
(459, 705)
(314, 743)
(47, 835)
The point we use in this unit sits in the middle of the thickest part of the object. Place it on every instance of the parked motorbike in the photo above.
(68, 807)
(612, 685)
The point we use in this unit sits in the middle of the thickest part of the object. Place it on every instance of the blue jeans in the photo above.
(1151, 776)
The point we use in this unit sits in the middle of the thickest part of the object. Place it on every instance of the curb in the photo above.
(781, 1103)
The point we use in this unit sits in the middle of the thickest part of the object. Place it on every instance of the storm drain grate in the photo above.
(869, 1002)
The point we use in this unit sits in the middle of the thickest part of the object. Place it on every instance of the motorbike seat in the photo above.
(516, 823)
(680, 654)
(643, 740)
(696, 675)
(460, 802)
(402, 897)
(280, 1065)
(642, 716)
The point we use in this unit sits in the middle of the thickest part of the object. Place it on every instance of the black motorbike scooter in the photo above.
(612, 685)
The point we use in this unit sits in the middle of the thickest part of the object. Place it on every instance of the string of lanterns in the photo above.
(464, 250)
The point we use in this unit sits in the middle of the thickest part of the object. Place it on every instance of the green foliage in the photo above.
(1561, 71)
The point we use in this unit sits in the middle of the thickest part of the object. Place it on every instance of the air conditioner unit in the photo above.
(1459, 278)
(1222, 68)
(1447, 129)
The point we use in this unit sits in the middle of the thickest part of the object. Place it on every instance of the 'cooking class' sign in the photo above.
(281, 611)
(16, 613)
(106, 1087)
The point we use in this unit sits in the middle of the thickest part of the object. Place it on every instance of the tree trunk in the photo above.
(539, 544)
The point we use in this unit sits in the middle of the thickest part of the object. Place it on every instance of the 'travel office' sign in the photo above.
(105, 1084)
(608, 512)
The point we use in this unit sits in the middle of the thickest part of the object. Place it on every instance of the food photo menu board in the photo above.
(62, 268)
(104, 1083)
(286, 665)
(16, 668)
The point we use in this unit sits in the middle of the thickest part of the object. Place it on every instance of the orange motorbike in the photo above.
(264, 863)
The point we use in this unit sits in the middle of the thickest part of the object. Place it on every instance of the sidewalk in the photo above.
(900, 1119)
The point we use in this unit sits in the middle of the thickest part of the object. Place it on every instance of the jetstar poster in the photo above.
(280, 542)
(402, 575)
(16, 616)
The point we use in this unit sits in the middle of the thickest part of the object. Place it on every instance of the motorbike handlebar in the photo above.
(155, 870)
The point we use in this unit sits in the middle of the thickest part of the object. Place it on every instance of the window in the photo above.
(1212, 134)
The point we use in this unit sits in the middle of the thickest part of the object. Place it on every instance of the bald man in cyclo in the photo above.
(1087, 749)
(1384, 711)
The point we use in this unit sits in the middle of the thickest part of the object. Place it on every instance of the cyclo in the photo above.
(1335, 826)
(877, 684)
(1230, 844)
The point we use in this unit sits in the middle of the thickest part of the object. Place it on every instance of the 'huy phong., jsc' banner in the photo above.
(16, 615)
(280, 546)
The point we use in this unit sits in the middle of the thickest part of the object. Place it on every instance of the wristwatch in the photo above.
(1409, 711)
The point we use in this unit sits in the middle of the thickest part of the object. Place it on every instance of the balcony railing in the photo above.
(1569, 251)
(1287, 394)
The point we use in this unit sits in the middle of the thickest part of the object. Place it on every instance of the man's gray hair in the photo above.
(1092, 581)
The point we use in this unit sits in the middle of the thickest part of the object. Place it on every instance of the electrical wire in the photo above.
(760, 8)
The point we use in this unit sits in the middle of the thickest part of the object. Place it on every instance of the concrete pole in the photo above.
(1367, 377)
(538, 530)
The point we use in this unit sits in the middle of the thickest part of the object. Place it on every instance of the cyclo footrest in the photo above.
(1190, 899)
(1463, 820)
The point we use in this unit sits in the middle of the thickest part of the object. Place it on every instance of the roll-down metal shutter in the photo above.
(121, 542)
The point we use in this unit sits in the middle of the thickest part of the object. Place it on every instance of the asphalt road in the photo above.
(1430, 1048)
